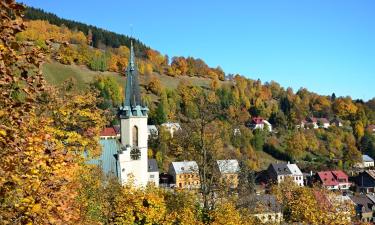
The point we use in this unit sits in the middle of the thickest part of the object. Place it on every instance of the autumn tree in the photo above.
(200, 137)
(155, 86)
(109, 90)
(296, 145)
(42, 134)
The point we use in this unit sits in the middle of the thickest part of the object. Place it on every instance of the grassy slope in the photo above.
(57, 73)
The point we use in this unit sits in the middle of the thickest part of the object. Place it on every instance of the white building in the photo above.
(279, 171)
(153, 172)
(152, 131)
(260, 123)
(366, 162)
(171, 127)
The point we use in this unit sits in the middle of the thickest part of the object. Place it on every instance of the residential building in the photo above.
(126, 157)
(336, 122)
(334, 180)
(365, 181)
(318, 123)
(302, 124)
(260, 123)
(185, 174)
(366, 162)
(152, 131)
(264, 207)
(229, 170)
(109, 133)
(364, 207)
(278, 172)
(153, 172)
(171, 127)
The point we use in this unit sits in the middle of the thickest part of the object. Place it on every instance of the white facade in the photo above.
(171, 127)
(296, 175)
(134, 170)
(262, 125)
(153, 178)
(366, 162)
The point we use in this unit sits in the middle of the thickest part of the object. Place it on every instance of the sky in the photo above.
(324, 45)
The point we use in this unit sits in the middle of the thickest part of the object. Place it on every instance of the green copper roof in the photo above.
(107, 160)
(132, 90)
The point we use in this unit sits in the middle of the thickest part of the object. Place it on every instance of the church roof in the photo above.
(133, 105)
(132, 90)
(107, 160)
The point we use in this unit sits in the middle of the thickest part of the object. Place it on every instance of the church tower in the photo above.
(132, 159)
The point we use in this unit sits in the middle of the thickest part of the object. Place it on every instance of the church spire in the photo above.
(131, 60)
(133, 104)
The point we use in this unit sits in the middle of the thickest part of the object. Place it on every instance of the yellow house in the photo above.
(185, 174)
(229, 170)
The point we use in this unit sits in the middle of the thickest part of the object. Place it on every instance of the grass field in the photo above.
(56, 73)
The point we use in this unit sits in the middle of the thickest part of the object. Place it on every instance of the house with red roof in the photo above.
(318, 122)
(109, 133)
(334, 180)
(260, 123)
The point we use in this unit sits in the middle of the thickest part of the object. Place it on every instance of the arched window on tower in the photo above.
(135, 136)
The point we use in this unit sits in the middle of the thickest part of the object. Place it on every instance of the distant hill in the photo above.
(99, 35)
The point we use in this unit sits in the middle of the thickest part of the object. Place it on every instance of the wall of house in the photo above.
(187, 180)
(153, 177)
(270, 217)
(230, 179)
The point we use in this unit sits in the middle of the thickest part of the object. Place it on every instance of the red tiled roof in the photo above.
(339, 174)
(322, 199)
(108, 132)
(258, 120)
(327, 178)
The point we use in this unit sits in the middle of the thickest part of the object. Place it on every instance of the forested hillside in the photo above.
(239, 98)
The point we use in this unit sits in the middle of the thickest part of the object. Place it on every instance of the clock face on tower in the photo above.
(135, 154)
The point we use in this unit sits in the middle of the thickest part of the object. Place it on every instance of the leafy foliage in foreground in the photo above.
(43, 134)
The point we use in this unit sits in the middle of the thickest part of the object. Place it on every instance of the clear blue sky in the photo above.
(324, 45)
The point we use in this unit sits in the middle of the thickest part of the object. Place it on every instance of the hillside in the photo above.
(56, 73)
(173, 88)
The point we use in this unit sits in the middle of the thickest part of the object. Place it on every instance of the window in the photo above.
(152, 176)
(179, 184)
(135, 136)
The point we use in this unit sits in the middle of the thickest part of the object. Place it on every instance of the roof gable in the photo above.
(185, 167)
(228, 166)
(281, 168)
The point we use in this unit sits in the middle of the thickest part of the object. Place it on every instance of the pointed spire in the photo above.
(131, 60)
(133, 104)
